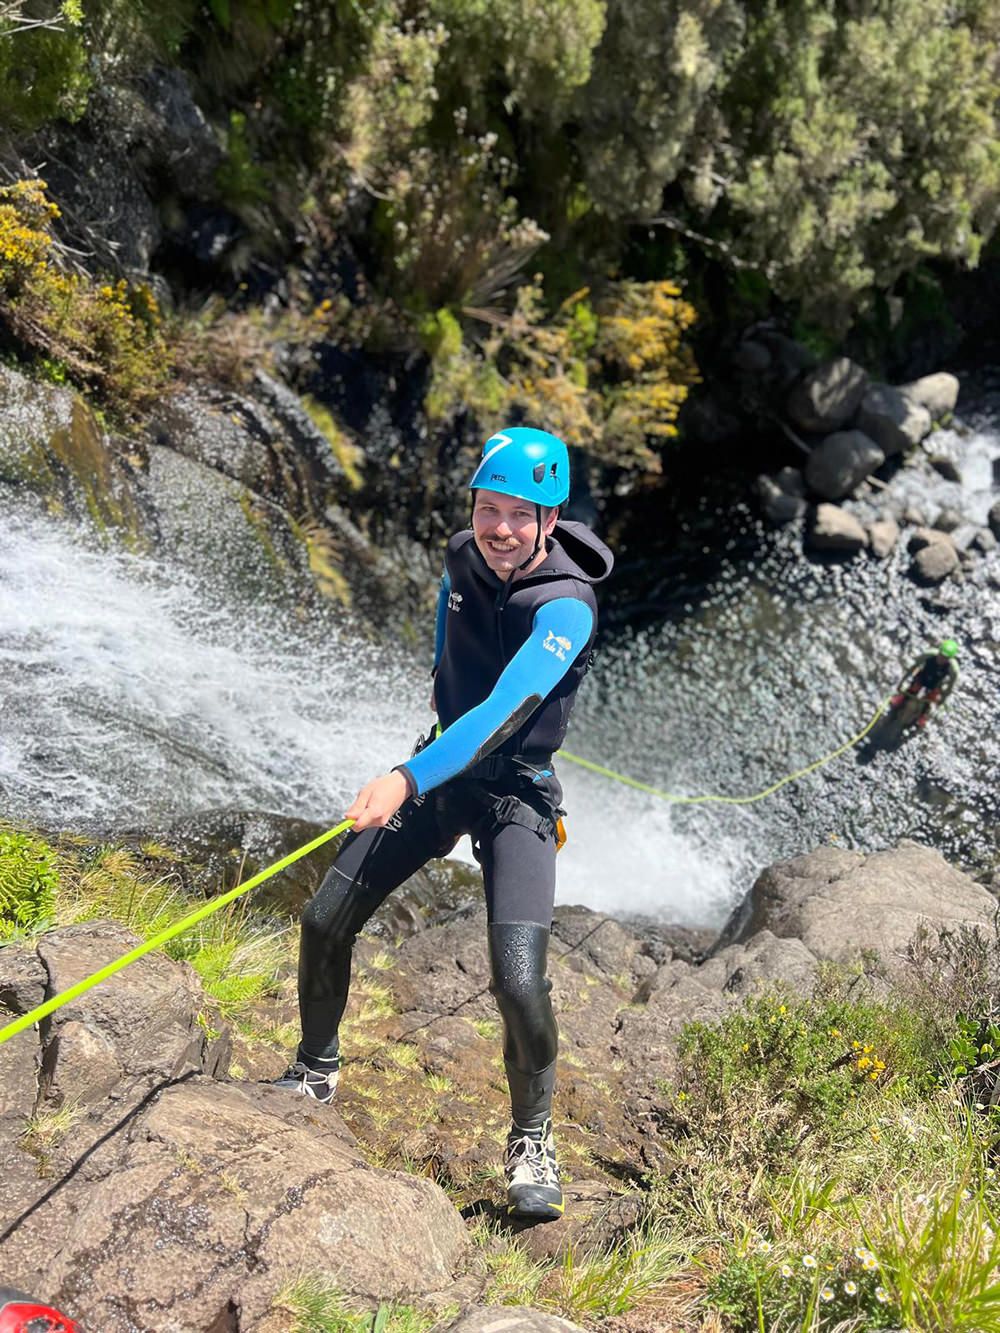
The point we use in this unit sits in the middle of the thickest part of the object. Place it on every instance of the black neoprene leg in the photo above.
(519, 869)
(370, 865)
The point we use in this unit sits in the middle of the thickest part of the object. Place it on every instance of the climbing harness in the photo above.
(81, 987)
(725, 800)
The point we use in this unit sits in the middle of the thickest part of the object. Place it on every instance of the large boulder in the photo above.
(935, 556)
(828, 396)
(180, 1200)
(937, 393)
(208, 1199)
(843, 460)
(840, 904)
(779, 505)
(834, 530)
(894, 421)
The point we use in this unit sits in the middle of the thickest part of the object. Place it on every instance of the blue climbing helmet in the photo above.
(528, 463)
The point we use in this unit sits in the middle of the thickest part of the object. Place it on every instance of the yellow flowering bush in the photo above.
(609, 376)
(107, 337)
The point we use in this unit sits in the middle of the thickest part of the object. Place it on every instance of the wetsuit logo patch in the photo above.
(555, 643)
(454, 601)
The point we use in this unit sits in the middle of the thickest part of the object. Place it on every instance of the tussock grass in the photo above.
(239, 957)
(314, 1304)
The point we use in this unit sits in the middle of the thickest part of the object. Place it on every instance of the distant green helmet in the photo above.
(948, 648)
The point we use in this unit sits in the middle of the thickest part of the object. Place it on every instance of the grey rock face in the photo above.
(883, 535)
(834, 530)
(828, 396)
(984, 541)
(894, 421)
(937, 393)
(841, 462)
(993, 519)
(839, 902)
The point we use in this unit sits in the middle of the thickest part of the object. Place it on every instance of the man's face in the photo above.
(505, 528)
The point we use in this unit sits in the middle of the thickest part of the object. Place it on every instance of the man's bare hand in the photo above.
(377, 801)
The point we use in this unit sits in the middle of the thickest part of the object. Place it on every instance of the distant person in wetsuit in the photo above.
(934, 675)
(516, 619)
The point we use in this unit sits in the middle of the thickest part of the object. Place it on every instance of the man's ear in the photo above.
(550, 522)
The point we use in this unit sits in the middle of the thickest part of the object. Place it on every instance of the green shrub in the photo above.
(28, 881)
(802, 1064)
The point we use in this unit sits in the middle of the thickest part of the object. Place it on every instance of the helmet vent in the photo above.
(538, 472)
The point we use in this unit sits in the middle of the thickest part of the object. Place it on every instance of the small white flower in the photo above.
(786, 1270)
(808, 1261)
(869, 1262)
(851, 1288)
(881, 1295)
(826, 1294)
(764, 1247)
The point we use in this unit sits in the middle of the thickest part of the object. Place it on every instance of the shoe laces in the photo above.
(314, 1083)
(536, 1153)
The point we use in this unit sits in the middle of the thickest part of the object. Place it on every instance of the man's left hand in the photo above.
(377, 801)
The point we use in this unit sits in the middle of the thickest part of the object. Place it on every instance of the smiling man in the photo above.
(515, 624)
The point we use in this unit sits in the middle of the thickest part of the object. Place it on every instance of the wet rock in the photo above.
(835, 530)
(945, 467)
(993, 519)
(896, 423)
(841, 462)
(883, 535)
(838, 903)
(948, 521)
(935, 555)
(224, 531)
(52, 444)
(777, 504)
(937, 393)
(790, 480)
(753, 357)
(828, 396)
(222, 431)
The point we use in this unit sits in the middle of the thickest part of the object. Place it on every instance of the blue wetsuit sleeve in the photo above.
(442, 616)
(558, 633)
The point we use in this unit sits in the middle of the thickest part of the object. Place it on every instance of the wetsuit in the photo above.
(509, 659)
(932, 673)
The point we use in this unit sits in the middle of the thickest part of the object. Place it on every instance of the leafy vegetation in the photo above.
(107, 335)
(28, 882)
(815, 156)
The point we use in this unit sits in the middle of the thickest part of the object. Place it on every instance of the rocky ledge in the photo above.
(182, 1193)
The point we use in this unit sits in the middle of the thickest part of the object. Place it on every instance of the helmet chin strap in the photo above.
(538, 540)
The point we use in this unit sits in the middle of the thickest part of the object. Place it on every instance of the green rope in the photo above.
(157, 941)
(81, 987)
(724, 800)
